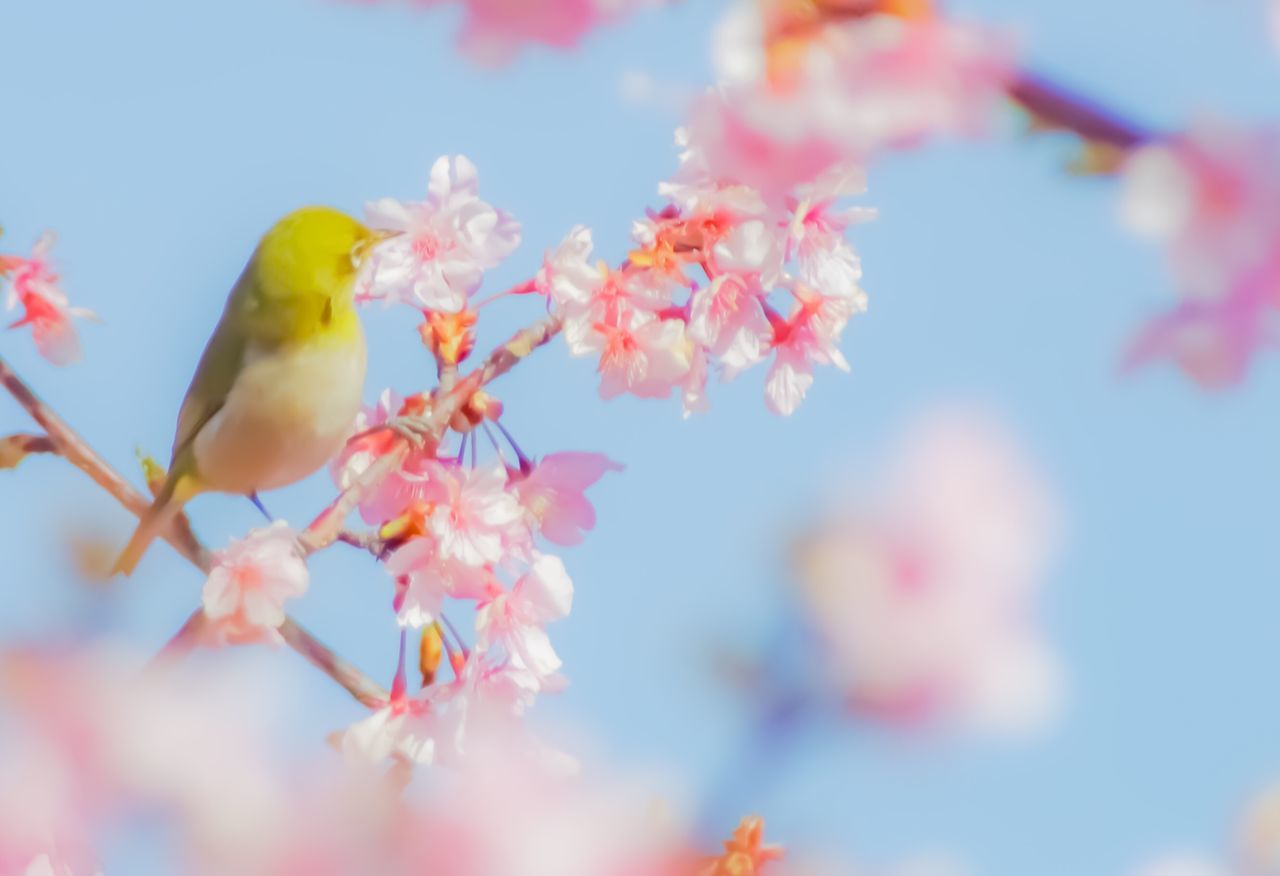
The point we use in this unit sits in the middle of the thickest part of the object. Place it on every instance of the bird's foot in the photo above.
(413, 428)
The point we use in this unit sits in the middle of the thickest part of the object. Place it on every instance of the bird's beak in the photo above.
(380, 234)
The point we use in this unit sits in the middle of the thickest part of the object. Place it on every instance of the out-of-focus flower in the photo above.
(494, 31)
(924, 597)
(804, 88)
(1212, 199)
(33, 285)
(250, 582)
(90, 745)
(554, 494)
(1258, 835)
(448, 241)
(1182, 865)
(745, 853)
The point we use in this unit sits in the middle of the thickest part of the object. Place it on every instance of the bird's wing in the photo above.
(219, 366)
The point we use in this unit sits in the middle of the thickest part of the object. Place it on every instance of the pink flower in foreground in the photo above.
(554, 494)
(811, 334)
(251, 581)
(924, 596)
(495, 30)
(448, 241)
(34, 285)
(1212, 199)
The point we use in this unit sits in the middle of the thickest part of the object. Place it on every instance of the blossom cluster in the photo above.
(33, 285)
(1212, 199)
(923, 594)
(807, 85)
(779, 283)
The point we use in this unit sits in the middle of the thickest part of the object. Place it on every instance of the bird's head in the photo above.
(315, 252)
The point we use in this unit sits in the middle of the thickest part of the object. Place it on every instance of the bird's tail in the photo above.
(157, 518)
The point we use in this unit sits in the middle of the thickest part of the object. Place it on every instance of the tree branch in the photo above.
(1056, 107)
(70, 445)
(328, 527)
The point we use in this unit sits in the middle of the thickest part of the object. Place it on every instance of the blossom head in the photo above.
(250, 582)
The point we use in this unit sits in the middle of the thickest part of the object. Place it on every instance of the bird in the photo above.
(281, 379)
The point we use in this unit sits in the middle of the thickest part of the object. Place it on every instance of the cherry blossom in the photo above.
(654, 329)
(493, 31)
(924, 596)
(34, 285)
(803, 90)
(1211, 199)
(447, 243)
(476, 520)
(515, 621)
(250, 582)
(553, 494)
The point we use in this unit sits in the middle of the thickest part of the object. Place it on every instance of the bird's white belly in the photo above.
(288, 412)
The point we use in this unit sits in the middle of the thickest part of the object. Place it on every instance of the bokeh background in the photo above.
(161, 139)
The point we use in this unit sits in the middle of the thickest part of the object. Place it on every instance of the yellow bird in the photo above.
(281, 379)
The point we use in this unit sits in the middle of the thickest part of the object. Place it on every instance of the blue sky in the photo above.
(161, 139)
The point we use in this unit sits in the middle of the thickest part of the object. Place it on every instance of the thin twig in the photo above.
(70, 445)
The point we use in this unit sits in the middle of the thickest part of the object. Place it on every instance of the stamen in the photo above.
(526, 465)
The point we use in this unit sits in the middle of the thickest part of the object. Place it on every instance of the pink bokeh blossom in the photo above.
(33, 285)
(494, 31)
(924, 596)
(1212, 200)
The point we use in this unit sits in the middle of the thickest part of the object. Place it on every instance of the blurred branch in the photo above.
(68, 443)
(15, 448)
(1053, 106)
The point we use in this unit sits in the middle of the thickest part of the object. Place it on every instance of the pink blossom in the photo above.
(448, 241)
(514, 621)
(427, 578)
(810, 335)
(642, 354)
(924, 595)
(1212, 199)
(34, 285)
(251, 581)
(493, 31)
(476, 518)
(858, 87)
(727, 318)
(815, 231)
(402, 728)
(554, 494)
(567, 277)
